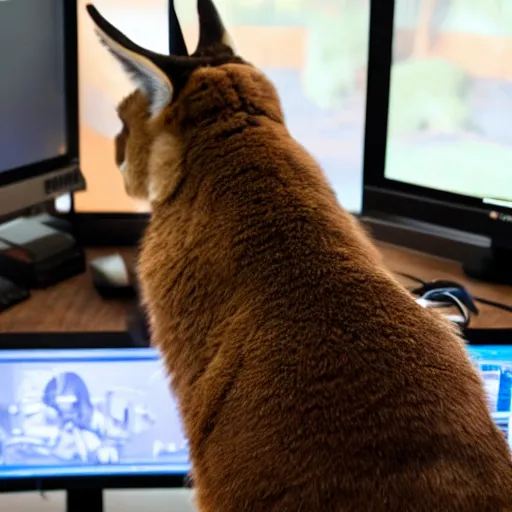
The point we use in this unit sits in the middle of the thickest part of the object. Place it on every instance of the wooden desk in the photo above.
(428, 267)
(74, 305)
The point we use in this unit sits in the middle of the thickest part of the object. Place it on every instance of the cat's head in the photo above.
(176, 92)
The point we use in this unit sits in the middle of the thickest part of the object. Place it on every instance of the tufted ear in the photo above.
(144, 68)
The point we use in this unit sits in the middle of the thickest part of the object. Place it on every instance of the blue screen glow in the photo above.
(87, 412)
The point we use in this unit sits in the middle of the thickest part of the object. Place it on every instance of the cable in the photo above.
(481, 300)
(412, 278)
(499, 305)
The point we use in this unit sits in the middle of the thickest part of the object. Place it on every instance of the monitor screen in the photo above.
(314, 51)
(66, 413)
(87, 412)
(33, 125)
(451, 98)
(495, 365)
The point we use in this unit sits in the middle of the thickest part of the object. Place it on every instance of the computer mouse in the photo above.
(111, 276)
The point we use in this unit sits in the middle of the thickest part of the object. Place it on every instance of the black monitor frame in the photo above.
(71, 92)
(384, 196)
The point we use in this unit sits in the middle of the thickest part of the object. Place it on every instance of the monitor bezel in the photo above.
(121, 481)
(390, 197)
(83, 341)
(105, 229)
(27, 172)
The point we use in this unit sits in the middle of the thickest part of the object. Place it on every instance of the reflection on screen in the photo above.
(101, 412)
(314, 51)
(32, 88)
(451, 97)
(86, 412)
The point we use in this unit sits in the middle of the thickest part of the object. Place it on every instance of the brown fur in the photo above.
(307, 378)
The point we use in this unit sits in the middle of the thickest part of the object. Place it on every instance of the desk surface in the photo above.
(75, 306)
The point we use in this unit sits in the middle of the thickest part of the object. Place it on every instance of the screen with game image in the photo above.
(107, 412)
(451, 97)
(315, 51)
(87, 412)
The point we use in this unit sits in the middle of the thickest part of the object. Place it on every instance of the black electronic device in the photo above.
(436, 147)
(36, 255)
(38, 103)
(111, 277)
(11, 294)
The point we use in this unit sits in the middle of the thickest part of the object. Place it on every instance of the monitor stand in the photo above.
(494, 267)
(90, 500)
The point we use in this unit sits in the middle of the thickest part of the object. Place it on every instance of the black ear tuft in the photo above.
(177, 45)
(113, 33)
(211, 28)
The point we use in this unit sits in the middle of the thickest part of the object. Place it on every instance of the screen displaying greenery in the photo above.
(451, 97)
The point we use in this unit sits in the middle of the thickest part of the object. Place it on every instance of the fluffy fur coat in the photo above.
(307, 378)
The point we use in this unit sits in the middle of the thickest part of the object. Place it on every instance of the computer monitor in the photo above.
(88, 418)
(438, 142)
(315, 52)
(38, 103)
